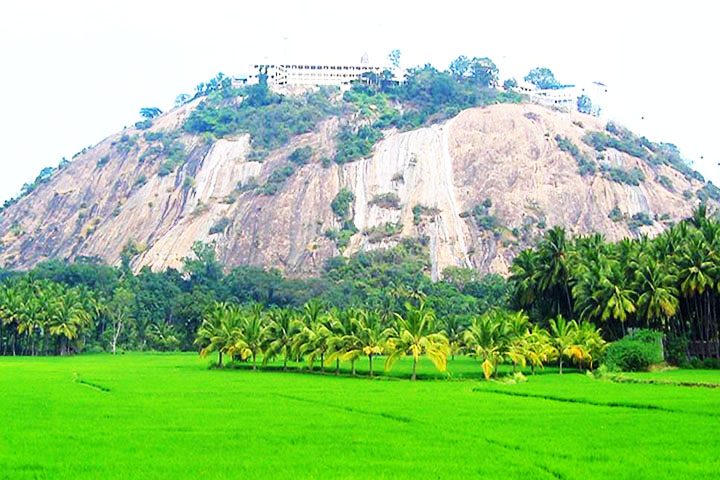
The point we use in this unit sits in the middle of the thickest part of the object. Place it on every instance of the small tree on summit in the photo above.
(584, 104)
(394, 58)
(542, 77)
(150, 112)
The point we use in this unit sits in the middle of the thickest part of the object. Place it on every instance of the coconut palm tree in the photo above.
(517, 324)
(697, 273)
(553, 275)
(413, 334)
(523, 277)
(67, 318)
(282, 328)
(252, 333)
(313, 341)
(219, 331)
(340, 325)
(348, 346)
(368, 339)
(486, 339)
(537, 348)
(590, 344)
(453, 328)
(657, 295)
(563, 339)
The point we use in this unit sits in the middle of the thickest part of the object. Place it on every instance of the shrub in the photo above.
(143, 124)
(301, 156)
(220, 226)
(341, 203)
(355, 144)
(638, 220)
(387, 200)
(586, 166)
(420, 210)
(633, 177)
(279, 175)
(276, 179)
(140, 181)
(709, 191)
(270, 119)
(482, 217)
(153, 136)
(380, 232)
(635, 352)
(165, 170)
(342, 237)
(248, 185)
(103, 161)
(665, 182)
(615, 214)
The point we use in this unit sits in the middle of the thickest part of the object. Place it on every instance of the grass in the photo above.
(169, 416)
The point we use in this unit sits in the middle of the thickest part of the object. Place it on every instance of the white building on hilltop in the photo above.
(565, 97)
(313, 74)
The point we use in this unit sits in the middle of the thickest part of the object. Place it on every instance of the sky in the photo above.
(74, 72)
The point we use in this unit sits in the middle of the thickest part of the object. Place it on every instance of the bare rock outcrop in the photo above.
(476, 189)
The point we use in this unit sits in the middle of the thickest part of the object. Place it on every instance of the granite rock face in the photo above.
(476, 189)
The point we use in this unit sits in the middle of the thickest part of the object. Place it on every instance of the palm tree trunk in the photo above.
(322, 362)
(253, 358)
(414, 370)
(285, 358)
(567, 297)
(219, 357)
(370, 358)
(337, 366)
(560, 362)
(353, 367)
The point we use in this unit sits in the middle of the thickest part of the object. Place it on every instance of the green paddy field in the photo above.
(140, 416)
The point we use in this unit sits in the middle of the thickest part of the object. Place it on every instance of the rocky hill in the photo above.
(475, 188)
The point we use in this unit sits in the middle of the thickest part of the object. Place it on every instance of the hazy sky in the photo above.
(74, 72)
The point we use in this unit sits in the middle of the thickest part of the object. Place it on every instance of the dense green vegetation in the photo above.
(342, 208)
(624, 140)
(166, 415)
(669, 283)
(425, 96)
(633, 177)
(586, 166)
(130, 311)
(270, 119)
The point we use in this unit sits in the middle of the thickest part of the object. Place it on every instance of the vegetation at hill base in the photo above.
(564, 300)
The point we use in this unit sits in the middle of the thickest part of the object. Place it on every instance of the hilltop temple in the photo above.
(312, 74)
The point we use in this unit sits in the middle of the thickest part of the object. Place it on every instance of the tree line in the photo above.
(670, 283)
(114, 309)
(322, 337)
